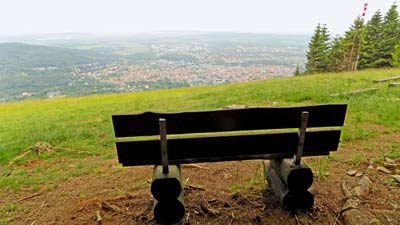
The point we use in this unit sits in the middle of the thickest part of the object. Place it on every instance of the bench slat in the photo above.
(146, 124)
(225, 148)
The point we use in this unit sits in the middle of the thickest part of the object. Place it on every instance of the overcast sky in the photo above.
(135, 16)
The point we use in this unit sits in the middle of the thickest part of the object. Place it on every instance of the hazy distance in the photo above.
(136, 16)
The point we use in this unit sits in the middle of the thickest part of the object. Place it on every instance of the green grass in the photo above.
(357, 159)
(319, 166)
(7, 212)
(83, 124)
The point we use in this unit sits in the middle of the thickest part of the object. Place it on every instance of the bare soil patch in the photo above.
(215, 193)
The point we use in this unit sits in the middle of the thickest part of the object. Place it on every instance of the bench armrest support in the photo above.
(302, 136)
(163, 145)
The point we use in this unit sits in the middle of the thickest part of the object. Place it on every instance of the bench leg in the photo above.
(297, 177)
(279, 172)
(167, 191)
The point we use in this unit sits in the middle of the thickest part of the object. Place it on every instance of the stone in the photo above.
(359, 174)
(396, 178)
(383, 169)
(363, 187)
(370, 167)
(389, 166)
(352, 172)
(389, 160)
(235, 106)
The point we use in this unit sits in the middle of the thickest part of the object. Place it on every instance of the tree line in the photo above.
(371, 44)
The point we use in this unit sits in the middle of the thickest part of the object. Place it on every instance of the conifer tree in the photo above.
(351, 45)
(317, 54)
(297, 71)
(391, 35)
(336, 55)
(396, 56)
(371, 50)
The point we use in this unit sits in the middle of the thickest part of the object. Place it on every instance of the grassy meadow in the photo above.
(84, 124)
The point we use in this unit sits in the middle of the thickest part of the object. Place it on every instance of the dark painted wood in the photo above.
(289, 199)
(146, 124)
(166, 187)
(225, 148)
(296, 177)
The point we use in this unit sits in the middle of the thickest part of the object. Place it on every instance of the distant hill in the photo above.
(22, 56)
(39, 69)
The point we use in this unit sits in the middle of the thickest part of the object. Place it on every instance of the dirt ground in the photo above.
(221, 193)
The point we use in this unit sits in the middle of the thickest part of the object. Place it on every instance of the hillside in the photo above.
(68, 184)
(24, 56)
(40, 70)
(45, 66)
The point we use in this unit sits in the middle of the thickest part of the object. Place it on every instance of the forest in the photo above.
(366, 44)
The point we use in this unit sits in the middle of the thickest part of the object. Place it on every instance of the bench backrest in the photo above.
(222, 146)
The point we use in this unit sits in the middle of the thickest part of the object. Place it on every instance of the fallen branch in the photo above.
(386, 79)
(394, 84)
(354, 92)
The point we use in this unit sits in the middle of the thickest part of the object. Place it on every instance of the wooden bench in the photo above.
(281, 134)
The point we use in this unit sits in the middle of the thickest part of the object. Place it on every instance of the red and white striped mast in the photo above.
(360, 37)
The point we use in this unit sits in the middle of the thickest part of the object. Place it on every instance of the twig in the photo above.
(233, 219)
(28, 197)
(337, 216)
(297, 219)
(195, 187)
(25, 153)
(346, 209)
(98, 216)
(187, 217)
(110, 207)
(73, 150)
(346, 192)
(194, 166)
(252, 203)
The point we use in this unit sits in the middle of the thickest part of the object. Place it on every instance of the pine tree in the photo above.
(336, 55)
(317, 54)
(352, 42)
(297, 71)
(371, 50)
(396, 56)
(390, 36)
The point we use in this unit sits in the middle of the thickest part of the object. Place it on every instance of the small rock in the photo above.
(359, 174)
(389, 160)
(363, 187)
(352, 172)
(396, 178)
(390, 166)
(234, 106)
(227, 176)
(370, 167)
(383, 169)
